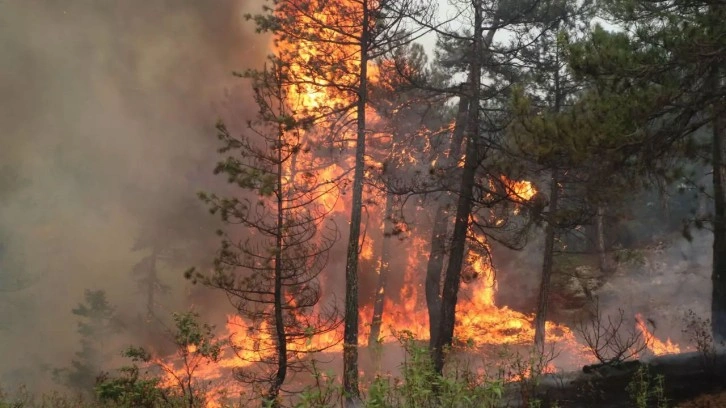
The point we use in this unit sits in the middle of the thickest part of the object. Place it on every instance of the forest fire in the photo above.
(362, 203)
(480, 322)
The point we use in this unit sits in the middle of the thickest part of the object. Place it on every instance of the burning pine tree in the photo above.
(329, 47)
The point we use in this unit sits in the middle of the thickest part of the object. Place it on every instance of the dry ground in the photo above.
(706, 401)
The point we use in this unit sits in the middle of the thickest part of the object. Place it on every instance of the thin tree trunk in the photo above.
(439, 233)
(151, 287)
(383, 269)
(540, 319)
(280, 337)
(350, 334)
(452, 278)
(434, 266)
(718, 277)
(604, 263)
(547, 262)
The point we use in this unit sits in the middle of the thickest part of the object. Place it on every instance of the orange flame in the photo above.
(519, 190)
(655, 345)
(479, 320)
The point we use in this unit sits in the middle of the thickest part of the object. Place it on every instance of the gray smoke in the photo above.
(106, 128)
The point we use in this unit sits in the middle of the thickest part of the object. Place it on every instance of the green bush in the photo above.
(646, 390)
(421, 387)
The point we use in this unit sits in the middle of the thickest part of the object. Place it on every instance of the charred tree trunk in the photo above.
(350, 334)
(452, 278)
(718, 277)
(547, 263)
(383, 269)
(439, 233)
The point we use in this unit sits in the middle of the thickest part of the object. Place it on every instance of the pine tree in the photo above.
(97, 323)
(551, 89)
(674, 58)
(345, 38)
(270, 270)
(169, 239)
(482, 193)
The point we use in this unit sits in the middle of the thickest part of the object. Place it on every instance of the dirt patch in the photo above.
(706, 401)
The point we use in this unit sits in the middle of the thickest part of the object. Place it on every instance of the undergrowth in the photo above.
(416, 385)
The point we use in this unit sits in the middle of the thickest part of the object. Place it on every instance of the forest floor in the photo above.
(717, 400)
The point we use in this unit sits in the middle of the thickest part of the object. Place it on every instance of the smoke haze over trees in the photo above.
(536, 170)
(105, 112)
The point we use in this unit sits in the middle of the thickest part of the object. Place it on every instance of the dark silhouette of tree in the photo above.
(97, 323)
(170, 238)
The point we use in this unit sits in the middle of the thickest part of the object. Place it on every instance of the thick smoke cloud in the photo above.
(106, 128)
